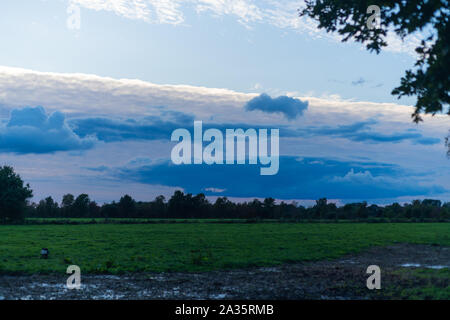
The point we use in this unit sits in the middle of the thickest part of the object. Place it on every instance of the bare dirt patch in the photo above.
(344, 278)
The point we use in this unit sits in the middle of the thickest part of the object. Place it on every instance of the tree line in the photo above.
(186, 206)
(15, 207)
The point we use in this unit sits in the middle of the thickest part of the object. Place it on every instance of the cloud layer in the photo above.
(31, 130)
(161, 127)
(282, 15)
(76, 94)
(298, 178)
(362, 132)
(147, 128)
(114, 121)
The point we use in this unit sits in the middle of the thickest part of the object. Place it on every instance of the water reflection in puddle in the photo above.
(418, 265)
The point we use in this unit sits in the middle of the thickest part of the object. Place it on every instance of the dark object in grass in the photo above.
(44, 253)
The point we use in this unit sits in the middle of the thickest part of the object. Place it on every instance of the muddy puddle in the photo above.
(344, 278)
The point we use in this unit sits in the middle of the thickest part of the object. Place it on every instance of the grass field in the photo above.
(115, 248)
(423, 284)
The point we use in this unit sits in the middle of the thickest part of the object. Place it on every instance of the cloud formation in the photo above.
(291, 108)
(305, 178)
(86, 94)
(31, 130)
(147, 128)
(362, 132)
(282, 15)
(117, 110)
(161, 127)
(129, 115)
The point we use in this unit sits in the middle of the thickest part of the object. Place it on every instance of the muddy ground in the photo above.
(344, 278)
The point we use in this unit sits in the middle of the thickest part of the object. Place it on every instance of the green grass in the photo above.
(134, 220)
(420, 284)
(116, 248)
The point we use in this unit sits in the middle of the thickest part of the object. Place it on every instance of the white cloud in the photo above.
(363, 178)
(85, 94)
(91, 94)
(246, 11)
(215, 190)
(94, 96)
(134, 9)
(167, 11)
(280, 14)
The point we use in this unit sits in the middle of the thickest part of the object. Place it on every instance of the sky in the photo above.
(91, 91)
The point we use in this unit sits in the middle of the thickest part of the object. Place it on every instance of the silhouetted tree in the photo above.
(159, 206)
(94, 210)
(13, 195)
(431, 203)
(67, 204)
(110, 210)
(127, 207)
(80, 206)
(320, 208)
(176, 204)
(430, 79)
(269, 208)
(48, 208)
(183, 206)
(224, 208)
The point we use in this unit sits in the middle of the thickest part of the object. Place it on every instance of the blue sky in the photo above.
(91, 109)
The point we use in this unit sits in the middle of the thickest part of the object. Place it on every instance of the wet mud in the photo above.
(343, 278)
